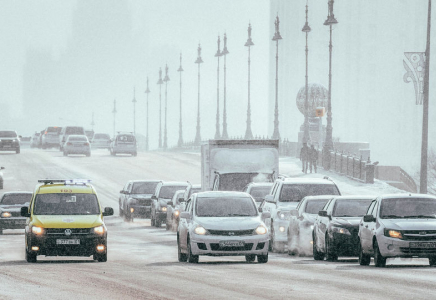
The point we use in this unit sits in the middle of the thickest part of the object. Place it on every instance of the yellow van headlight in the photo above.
(99, 229)
(37, 230)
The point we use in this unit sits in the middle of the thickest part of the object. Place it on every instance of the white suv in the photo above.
(284, 196)
(400, 225)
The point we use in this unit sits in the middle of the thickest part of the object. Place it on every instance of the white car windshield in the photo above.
(167, 191)
(314, 206)
(259, 192)
(15, 199)
(66, 204)
(351, 207)
(144, 187)
(225, 207)
(296, 192)
(408, 208)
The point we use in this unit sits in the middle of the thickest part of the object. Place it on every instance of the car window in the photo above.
(351, 207)
(313, 206)
(259, 192)
(66, 204)
(125, 187)
(80, 138)
(370, 208)
(225, 207)
(10, 134)
(75, 130)
(15, 199)
(374, 211)
(296, 192)
(129, 187)
(408, 208)
(126, 138)
(144, 187)
(188, 205)
(167, 191)
(101, 136)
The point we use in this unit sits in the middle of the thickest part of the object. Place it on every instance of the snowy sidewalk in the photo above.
(291, 167)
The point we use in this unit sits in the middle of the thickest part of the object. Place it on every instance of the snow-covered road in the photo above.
(142, 260)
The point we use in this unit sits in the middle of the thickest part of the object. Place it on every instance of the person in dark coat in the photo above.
(304, 157)
(313, 157)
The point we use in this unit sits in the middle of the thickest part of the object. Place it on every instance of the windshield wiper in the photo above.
(420, 217)
(238, 215)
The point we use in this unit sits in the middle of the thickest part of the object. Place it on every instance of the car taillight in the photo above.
(69, 144)
(45, 132)
(86, 144)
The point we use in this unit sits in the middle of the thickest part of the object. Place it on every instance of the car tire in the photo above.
(330, 251)
(364, 259)
(379, 260)
(291, 251)
(121, 211)
(250, 258)
(191, 257)
(262, 258)
(1, 183)
(432, 261)
(271, 241)
(182, 257)
(65, 153)
(1, 231)
(100, 257)
(31, 257)
(17, 151)
(167, 225)
(317, 255)
(152, 220)
(88, 154)
(114, 153)
(158, 223)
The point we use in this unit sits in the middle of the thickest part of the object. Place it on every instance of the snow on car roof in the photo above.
(175, 183)
(218, 194)
(355, 197)
(306, 180)
(406, 195)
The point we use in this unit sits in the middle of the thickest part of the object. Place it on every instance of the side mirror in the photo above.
(266, 215)
(153, 197)
(368, 218)
(108, 211)
(294, 213)
(185, 215)
(322, 213)
(181, 200)
(260, 209)
(2, 168)
(25, 211)
(269, 198)
(121, 192)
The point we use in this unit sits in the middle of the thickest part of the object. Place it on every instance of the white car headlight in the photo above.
(341, 230)
(99, 230)
(163, 208)
(200, 230)
(176, 213)
(260, 230)
(284, 215)
(6, 214)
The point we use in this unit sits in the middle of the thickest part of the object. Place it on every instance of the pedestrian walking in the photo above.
(304, 157)
(313, 157)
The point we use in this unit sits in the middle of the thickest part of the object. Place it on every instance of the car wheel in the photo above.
(262, 258)
(364, 259)
(1, 231)
(158, 223)
(191, 258)
(121, 211)
(330, 251)
(182, 257)
(65, 153)
(167, 225)
(17, 151)
(317, 255)
(100, 257)
(31, 257)
(1, 183)
(379, 260)
(432, 260)
(291, 250)
(250, 258)
(114, 153)
(271, 241)
(152, 219)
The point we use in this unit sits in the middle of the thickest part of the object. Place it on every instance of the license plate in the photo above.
(422, 245)
(68, 242)
(7, 146)
(232, 244)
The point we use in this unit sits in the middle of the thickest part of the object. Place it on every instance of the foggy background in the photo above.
(63, 60)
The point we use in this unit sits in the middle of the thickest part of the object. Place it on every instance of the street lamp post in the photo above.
(92, 122)
(224, 53)
(328, 145)
(217, 125)
(276, 38)
(147, 91)
(134, 110)
(160, 82)
(199, 61)
(306, 29)
(166, 79)
(180, 70)
(114, 111)
(249, 43)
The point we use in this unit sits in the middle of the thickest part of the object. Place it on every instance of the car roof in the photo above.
(17, 192)
(253, 184)
(60, 187)
(175, 183)
(320, 197)
(139, 180)
(196, 186)
(356, 197)
(219, 194)
(406, 195)
(306, 181)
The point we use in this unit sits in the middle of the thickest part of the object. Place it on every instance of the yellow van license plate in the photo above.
(68, 242)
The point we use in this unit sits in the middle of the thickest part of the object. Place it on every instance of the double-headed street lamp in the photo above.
(328, 145)
(147, 91)
(224, 53)
(160, 82)
(166, 79)
(306, 29)
(276, 38)
(217, 125)
(249, 43)
(199, 61)
(180, 70)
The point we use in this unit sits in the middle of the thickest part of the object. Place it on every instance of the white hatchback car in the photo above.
(222, 224)
(399, 225)
(77, 144)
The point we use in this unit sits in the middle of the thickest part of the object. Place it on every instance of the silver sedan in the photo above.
(77, 144)
(222, 224)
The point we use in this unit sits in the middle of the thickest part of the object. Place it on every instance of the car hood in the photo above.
(286, 205)
(229, 223)
(346, 221)
(164, 202)
(141, 196)
(409, 224)
(67, 221)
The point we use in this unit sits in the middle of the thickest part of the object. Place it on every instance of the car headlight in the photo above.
(37, 230)
(340, 230)
(284, 215)
(6, 214)
(176, 213)
(260, 230)
(163, 208)
(99, 229)
(393, 233)
(200, 230)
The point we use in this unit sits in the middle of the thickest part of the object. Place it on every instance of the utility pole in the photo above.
(147, 91)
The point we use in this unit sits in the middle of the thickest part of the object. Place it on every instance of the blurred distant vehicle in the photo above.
(258, 190)
(173, 210)
(9, 141)
(135, 199)
(10, 210)
(89, 134)
(124, 143)
(50, 137)
(163, 194)
(77, 144)
(34, 141)
(1, 178)
(68, 130)
(101, 141)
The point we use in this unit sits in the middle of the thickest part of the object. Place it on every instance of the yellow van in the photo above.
(65, 218)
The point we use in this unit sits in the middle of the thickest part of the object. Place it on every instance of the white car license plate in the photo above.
(68, 242)
(422, 245)
(232, 244)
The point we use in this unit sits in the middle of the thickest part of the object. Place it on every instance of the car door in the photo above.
(293, 220)
(123, 196)
(127, 194)
(322, 224)
(183, 226)
(364, 230)
(372, 226)
(299, 218)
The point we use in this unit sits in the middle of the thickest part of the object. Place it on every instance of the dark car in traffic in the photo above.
(9, 141)
(336, 228)
(135, 199)
(10, 210)
(163, 195)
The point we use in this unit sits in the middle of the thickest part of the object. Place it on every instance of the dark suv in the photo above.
(9, 141)
(135, 199)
